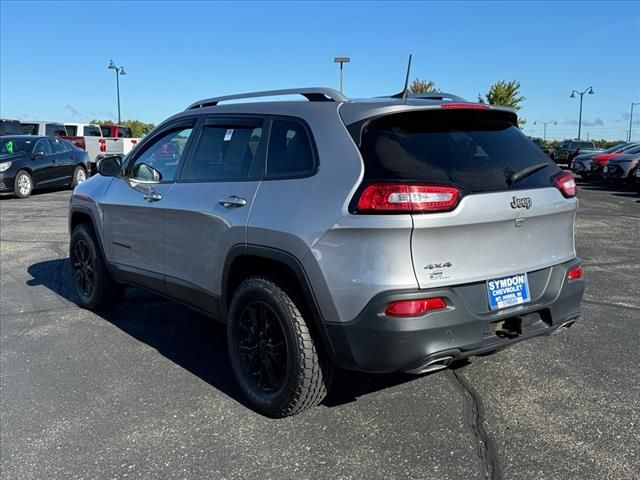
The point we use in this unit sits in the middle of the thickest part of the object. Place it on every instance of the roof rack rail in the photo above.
(313, 94)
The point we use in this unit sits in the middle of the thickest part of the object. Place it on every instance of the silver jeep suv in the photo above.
(391, 234)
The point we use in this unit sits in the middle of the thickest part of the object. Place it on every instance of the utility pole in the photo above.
(631, 119)
(552, 122)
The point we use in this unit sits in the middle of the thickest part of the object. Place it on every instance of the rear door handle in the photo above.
(233, 201)
(152, 197)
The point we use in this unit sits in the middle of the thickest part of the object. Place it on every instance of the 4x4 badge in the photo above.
(524, 202)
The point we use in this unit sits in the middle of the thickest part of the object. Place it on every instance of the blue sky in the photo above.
(53, 55)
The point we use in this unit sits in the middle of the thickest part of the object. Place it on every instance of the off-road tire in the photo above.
(105, 291)
(308, 373)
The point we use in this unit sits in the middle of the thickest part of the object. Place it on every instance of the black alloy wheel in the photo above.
(262, 346)
(83, 268)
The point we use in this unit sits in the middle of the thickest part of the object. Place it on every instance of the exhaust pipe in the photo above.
(564, 326)
(433, 365)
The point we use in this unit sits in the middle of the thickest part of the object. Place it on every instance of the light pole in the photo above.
(552, 122)
(341, 61)
(119, 71)
(573, 95)
(631, 119)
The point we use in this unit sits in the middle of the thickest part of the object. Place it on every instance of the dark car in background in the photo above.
(10, 127)
(569, 149)
(28, 162)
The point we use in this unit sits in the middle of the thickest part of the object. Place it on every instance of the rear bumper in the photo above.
(377, 343)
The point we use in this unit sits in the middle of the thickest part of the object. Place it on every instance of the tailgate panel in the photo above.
(480, 239)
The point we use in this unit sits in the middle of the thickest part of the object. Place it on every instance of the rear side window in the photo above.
(72, 130)
(226, 151)
(54, 130)
(476, 150)
(10, 128)
(106, 131)
(289, 153)
(90, 131)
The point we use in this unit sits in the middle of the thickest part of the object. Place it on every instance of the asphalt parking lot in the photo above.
(146, 391)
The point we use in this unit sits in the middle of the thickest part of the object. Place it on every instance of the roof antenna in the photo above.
(405, 92)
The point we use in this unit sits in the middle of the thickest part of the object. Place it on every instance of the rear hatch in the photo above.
(485, 201)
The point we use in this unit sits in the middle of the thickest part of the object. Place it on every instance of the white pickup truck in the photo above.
(89, 137)
(120, 131)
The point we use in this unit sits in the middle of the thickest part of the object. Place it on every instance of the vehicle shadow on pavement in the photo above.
(192, 341)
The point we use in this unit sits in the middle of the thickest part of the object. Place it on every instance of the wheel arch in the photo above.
(244, 261)
(82, 215)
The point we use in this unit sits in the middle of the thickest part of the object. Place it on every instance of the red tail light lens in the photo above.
(103, 144)
(575, 273)
(465, 106)
(565, 183)
(414, 308)
(402, 198)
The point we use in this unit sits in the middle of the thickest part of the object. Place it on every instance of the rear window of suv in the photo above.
(476, 150)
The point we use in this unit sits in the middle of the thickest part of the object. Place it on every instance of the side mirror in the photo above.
(37, 154)
(146, 173)
(110, 166)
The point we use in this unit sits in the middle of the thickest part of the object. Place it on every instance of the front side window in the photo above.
(58, 146)
(124, 132)
(42, 146)
(30, 128)
(289, 152)
(54, 130)
(90, 131)
(159, 162)
(226, 152)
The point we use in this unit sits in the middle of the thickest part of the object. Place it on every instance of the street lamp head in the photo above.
(535, 122)
(341, 59)
(555, 123)
(591, 92)
(121, 71)
(112, 65)
(573, 94)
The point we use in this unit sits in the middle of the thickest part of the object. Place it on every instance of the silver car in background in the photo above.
(623, 167)
(390, 234)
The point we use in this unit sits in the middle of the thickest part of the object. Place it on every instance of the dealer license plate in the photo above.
(508, 291)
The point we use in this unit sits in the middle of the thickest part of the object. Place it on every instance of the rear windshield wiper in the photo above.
(525, 172)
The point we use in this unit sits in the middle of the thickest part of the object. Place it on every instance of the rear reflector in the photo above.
(565, 183)
(575, 273)
(465, 106)
(403, 198)
(414, 308)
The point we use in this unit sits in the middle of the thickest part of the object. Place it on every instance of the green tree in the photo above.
(505, 93)
(138, 128)
(422, 86)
